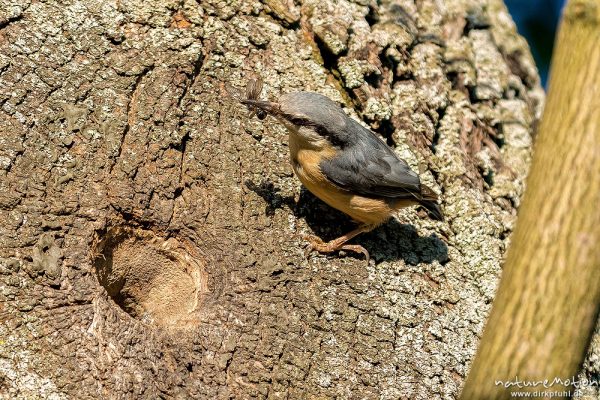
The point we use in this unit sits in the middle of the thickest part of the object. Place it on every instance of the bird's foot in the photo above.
(316, 244)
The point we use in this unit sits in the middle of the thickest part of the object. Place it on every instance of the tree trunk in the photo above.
(548, 301)
(152, 234)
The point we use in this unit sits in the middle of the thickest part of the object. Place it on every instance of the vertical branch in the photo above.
(547, 304)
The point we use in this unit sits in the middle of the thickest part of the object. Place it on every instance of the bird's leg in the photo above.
(340, 243)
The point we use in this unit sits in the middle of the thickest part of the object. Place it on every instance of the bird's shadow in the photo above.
(270, 194)
(390, 242)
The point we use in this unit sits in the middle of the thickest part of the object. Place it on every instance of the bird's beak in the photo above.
(268, 106)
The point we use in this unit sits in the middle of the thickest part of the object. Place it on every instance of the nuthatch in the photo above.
(346, 165)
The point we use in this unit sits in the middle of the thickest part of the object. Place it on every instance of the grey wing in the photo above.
(372, 169)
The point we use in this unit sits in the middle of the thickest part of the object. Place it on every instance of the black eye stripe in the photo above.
(331, 136)
(322, 131)
(299, 121)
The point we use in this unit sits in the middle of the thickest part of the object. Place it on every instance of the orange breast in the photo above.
(305, 162)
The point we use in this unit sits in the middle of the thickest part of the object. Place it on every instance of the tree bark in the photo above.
(547, 304)
(151, 243)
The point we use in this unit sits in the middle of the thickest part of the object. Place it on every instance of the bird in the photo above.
(345, 165)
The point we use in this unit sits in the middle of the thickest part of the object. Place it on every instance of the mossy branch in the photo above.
(547, 304)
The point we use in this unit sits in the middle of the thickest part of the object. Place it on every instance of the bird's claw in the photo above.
(313, 243)
(357, 249)
(317, 244)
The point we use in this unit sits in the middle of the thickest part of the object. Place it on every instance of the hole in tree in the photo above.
(149, 277)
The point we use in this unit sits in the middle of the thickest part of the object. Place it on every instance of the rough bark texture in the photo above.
(548, 301)
(151, 235)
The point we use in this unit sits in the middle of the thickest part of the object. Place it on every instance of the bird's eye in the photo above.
(321, 131)
(261, 114)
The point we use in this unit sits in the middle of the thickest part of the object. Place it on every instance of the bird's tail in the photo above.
(434, 209)
(429, 201)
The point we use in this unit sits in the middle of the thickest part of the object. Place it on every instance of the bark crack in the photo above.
(10, 20)
(129, 112)
(198, 64)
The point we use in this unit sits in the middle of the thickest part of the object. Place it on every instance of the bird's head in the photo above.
(310, 115)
